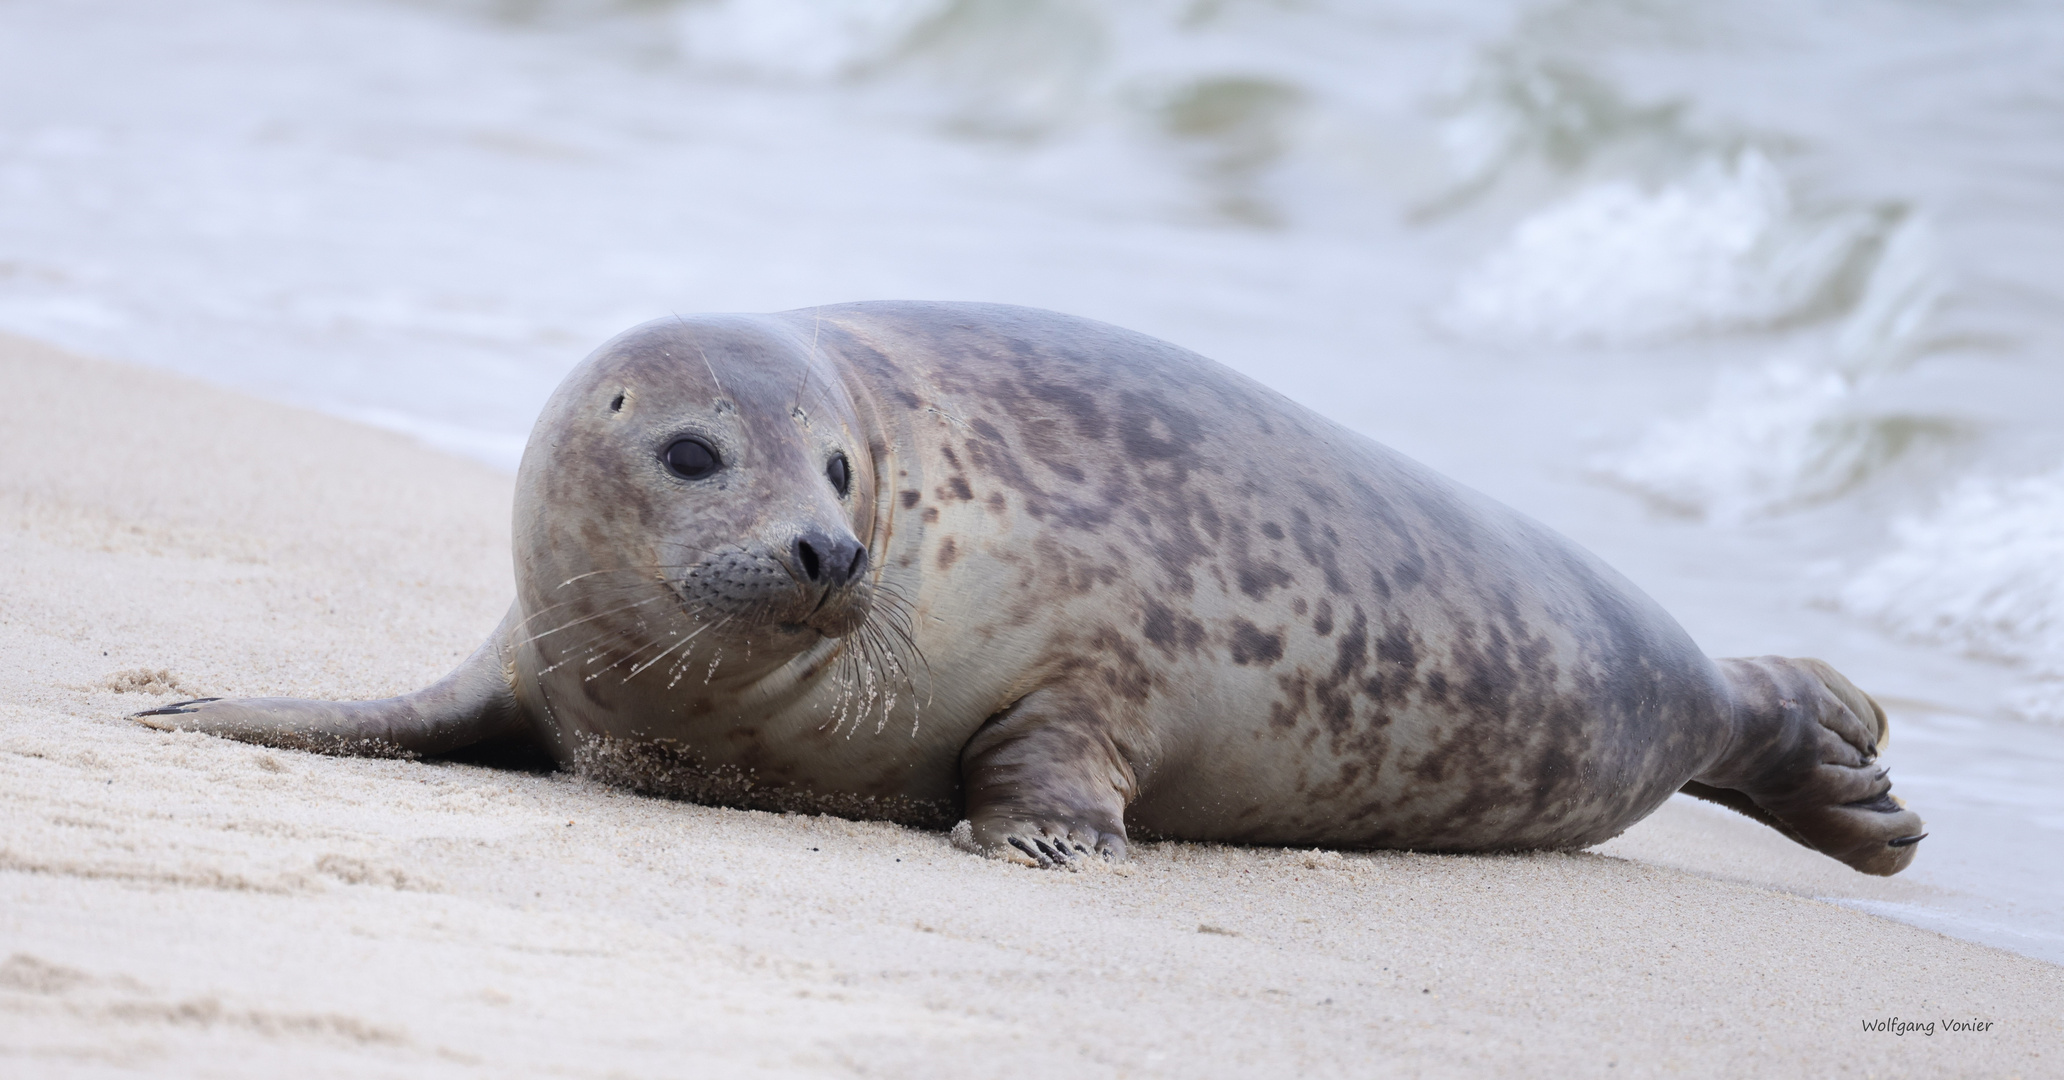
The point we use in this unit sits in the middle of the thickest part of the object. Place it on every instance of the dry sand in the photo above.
(182, 905)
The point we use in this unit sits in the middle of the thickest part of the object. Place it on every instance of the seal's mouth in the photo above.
(839, 612)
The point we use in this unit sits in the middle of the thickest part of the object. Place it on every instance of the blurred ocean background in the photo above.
(1761, 300)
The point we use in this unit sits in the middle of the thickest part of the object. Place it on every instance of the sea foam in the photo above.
(1984, 573)
(1720, 248)
(1800, 427)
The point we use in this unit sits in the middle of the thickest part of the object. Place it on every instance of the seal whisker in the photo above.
(642, 568)
(588, 618)
(718, 383)
(648, 643)
(591, 644)
(889, 621)
(681, 666)
(690, 636)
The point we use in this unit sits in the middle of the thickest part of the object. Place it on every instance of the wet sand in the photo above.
(176, 904)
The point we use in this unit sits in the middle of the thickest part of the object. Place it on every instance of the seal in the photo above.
(920, 561)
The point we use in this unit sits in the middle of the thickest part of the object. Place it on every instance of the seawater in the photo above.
(1757, 299)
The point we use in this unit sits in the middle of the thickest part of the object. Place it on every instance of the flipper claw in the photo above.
(177, 708)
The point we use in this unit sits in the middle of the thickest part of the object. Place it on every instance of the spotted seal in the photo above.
(926, 561)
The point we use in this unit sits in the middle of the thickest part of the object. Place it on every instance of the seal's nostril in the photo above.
(824, 560)
(847, 559)
(809, 560)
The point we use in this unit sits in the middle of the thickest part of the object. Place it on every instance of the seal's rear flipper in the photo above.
(1803, 762)
(473, 704)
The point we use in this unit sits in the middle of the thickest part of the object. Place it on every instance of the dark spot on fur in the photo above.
(1251, 645)
(1121, 670)
(909, 498)
(1321, 495)
(1334, 694)
(957, 488)
(1257, 579)
(1320, 547)
(1145, 417)
(1284, 713)
(1299, 606)
(948, 551)
(1079, 406)
(996, 503)
(1170, 631)
(1322, 623)
(1410, 570)
(1271, 530)
(1395, 647)
(931, 514)
(1253, 577)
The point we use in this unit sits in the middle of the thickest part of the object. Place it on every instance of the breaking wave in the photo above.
(1721, 248)
(1802, 427)
(1772, 438)
(1984, 574)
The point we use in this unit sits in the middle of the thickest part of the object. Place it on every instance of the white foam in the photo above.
(1985, 574)
(1770, 438)
(1721, 248)
(805, 40)
(1797, 429)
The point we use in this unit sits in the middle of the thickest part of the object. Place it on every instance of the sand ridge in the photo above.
(176, 904)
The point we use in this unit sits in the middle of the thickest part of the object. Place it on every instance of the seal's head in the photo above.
(695, 490)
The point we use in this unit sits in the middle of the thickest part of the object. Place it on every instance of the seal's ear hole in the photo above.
(690, 459)
(840, 474)
(616, 403)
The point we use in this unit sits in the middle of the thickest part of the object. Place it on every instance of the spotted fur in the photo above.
(1112, 589)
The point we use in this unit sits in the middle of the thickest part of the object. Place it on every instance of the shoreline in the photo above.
(176, 903)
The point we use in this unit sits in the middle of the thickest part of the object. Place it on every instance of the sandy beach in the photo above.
(180, 905)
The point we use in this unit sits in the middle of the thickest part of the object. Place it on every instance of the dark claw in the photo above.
(1054, 851)
(1883, 804)
(1028, 849)
(177, 708)
(1906, 841)
(1082, 849)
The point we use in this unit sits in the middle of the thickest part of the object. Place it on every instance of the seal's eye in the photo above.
(840, 474)
(691, 459)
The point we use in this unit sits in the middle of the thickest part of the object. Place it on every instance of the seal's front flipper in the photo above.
(1804, 761)
(1045, 785)
(472, 704)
